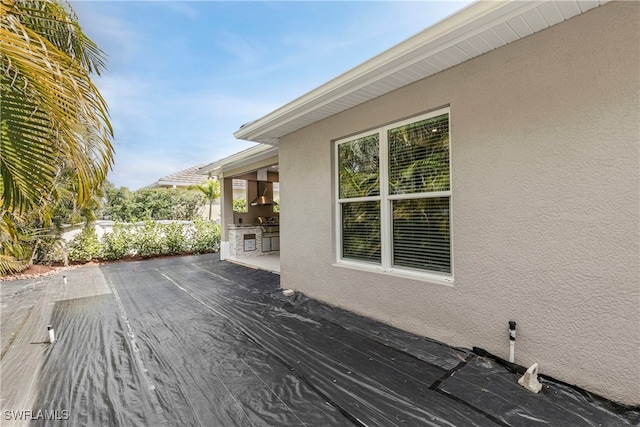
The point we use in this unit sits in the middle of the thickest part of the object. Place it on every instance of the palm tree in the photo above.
(52, 115)
(211, 190)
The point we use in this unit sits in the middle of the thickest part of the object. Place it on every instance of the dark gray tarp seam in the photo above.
(435, 387)
(487, 415)
(450, 372)
(627, 411)
(16, 333)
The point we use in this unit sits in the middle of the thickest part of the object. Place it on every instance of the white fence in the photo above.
(104, 226)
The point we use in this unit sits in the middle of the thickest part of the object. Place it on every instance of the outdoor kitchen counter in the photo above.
(250, 240)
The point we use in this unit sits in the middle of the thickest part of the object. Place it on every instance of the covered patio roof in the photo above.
(246, 158)
(473, 31)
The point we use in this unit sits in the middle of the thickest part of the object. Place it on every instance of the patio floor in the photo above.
(194, 341)
(269, 262)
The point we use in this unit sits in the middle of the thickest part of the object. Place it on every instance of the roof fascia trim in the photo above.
(250, 155)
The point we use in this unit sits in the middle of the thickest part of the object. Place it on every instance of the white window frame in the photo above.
(386, 200)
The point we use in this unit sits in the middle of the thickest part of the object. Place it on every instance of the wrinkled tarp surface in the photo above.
(193, 341)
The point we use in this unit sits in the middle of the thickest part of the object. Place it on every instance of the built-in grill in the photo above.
(270, 237)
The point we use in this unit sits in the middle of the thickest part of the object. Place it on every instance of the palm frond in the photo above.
(51, 110)
(57, 22)
(13, 251)
(10, 265)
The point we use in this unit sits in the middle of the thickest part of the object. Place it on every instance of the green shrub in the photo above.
(147, 240)
(85, 246)
(206, 237)
(174, 237)
(118, 243)
(240, 205)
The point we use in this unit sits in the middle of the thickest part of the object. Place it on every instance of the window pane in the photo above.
(421, 234)
(419, 156)
(361, 231)
(359, 166)
(239, 195)
(276, 197)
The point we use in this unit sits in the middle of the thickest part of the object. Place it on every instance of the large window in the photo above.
(394, 196)
(240, 195)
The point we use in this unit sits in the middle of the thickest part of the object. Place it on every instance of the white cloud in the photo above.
(157, 134)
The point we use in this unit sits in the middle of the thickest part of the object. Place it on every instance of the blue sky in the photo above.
(183, 76)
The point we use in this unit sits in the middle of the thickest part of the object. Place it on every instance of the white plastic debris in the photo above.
(530, 379)
(52, 335)
(288, 292)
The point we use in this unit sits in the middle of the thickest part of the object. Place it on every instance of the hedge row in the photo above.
(148, 240)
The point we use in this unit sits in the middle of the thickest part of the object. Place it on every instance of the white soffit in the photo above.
(477, 29)
(243, 158)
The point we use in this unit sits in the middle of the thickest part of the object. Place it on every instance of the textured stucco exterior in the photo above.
(545, 205)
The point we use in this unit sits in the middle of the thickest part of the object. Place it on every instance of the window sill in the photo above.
(397, 272)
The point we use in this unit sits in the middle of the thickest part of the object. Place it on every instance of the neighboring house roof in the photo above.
(183, 178)
(246, 157)
(473, 31)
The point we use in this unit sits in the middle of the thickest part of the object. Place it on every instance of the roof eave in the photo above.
(161, 183)
(250, 155)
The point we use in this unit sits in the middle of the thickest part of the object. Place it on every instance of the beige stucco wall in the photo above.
(545, 205)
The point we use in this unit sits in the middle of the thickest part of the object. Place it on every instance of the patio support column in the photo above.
(226, 214)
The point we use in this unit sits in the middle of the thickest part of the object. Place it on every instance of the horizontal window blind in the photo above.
(419, 156)
(361, 231)
(421, 234)
(359, 167)
(410, 190)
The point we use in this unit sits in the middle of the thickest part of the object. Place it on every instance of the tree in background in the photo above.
(53, 121)
(123, 205)
(211, 190)
(118, 204)
(166, 203)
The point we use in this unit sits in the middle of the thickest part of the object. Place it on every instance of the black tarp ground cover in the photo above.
(195, 341)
